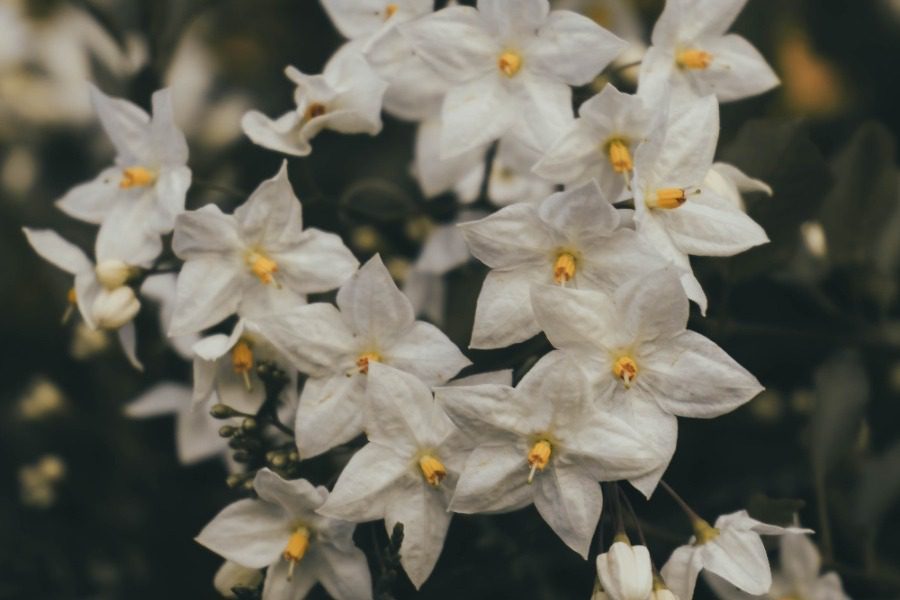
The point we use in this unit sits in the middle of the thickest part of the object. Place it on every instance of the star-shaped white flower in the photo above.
(258, 260)
(282, 531)
(345, 98)
(543, 442)
(600, 144)
(373, 322)
(732, 550)
(692, 56)
(674, 210)
(511, 63)
(647, 368)
(150, 175)
(573, 238)
(365, 19)
(407, 471)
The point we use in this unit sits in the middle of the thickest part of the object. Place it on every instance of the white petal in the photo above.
(425, 351)
(249, 532)
(208, 292)
(363, 489)
(571, 503)
(708, 226)
(454, 42)
(740, 558)
(281, 135)
(503, 315)
(125, 235)
(511, 19)
(127, 335)
(163, 398)
(399, 409)
(298, 497)
(737, 70)
(495, 480)
(687, 20)
(489, 413)
(572, 157)
(509, 237)
(197, 434)
(272, 214)
(314, 338)
(573, 319)
(653, 306)
(800, 560)
(58, 251)
(277, 586)
(93, 200)
(205, 231)
(126, 124)
(475, 113)
(375, 309)
(344, 573)
(166, 139)
(318, 262)
(330, 413)
(681, 570)
(435, 174)
(543, 108)
(171, 191)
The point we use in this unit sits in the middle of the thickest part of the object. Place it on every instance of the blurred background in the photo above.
(94, 504)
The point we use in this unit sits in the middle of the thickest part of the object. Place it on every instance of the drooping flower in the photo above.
(542, 442)
(626, 571)
(282, 531)
(647, 368)
(258, 260)
(407, 471)
(373, 322)
(572, 239)
(510, 63)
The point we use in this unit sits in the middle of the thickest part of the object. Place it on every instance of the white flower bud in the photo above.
(231, 575)
(112, 273)
(112, 309)
(625, 572)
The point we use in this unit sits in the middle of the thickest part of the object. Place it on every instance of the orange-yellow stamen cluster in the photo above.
(137, 177)
(539, 457)
(362, 363)
(668, 198)
(242, 361)
(693, 59)
(296, 548)
(262, 266)
(564, 268)
(620, 156)
(510, 62)
(390, 10)
(316, 109)
(626, 370)
(433, 470)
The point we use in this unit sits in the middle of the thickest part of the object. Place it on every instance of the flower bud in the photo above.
(114, 308)
(112, 273)
(625, 572)
(232, 575)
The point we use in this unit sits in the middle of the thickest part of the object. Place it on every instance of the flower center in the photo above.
(704, 532)
(316, 109)
(510, 62)
(692, 58)
(137, 177)
(539, 457)
(433, 469)
(390, 10)
(626, 370)
(667, 198)
(362, 363)
(564, 268)
(262, 266)
(619, 156)
(242, 361)
(296, 548)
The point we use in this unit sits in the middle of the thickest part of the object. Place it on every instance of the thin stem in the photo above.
(274, 420)
(681, 503)
(617, 509)
(634, 517)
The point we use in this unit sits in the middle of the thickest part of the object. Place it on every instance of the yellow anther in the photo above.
(433, 469)
(314, 110)
(362, 363)
(539, 457)
(296, 548)
(704, 532)
(620, 156)
(564, 268)
(262, 266)
(390, 10)
(72, 296)
(625, 369)
(242, 361)
(668, 198)
(693, 59)
(137, 177)
(72, 300)
(510, 62)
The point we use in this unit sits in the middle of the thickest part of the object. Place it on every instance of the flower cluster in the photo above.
(600, 214)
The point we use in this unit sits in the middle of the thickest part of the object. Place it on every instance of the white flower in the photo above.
(732, 550)
(797, 578)
(674, 210)
(196, 432)
(622, 18)
(282, 531)
(357, 19)
(729, 183)
(346, 98)
(150, 176)
(692, 56)
(258, 260)
(114, 308)
(374, 322)
(544, 442)
(573, 238)
(161, 288)
(511, 63)
(407, 471)
(646, 366)
(625, 571)
(601, 143)
(232, 575)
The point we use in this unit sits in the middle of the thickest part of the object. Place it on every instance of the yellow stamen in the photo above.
(390, 10)
(510, 62)
(693, 59)
(704, 532)
(362, 363)
(620, 156)
(137, 177)
(668, 198)
(242, 361)
(296, 548)
(72, 299)
(262, 266)
(433, 470)
(564, 268)
(539, 457)
(314, 110)
(625, 369)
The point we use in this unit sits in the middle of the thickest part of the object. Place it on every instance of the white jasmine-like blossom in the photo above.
(647, 368)
(232, 575)
(732, 550)
(674, 210)
(150, 177)
(366, 19)
(510, 63)
(373, 322)
(543, 442)
(282, 531)
(258, 260)
(407, 471)
(798, 576)
(346, 98)
(600, 144)
(196, 432)
(573, 238)
(626, 571)
(692, 56)
(730, 183)
(620, 17)
(161, 288)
